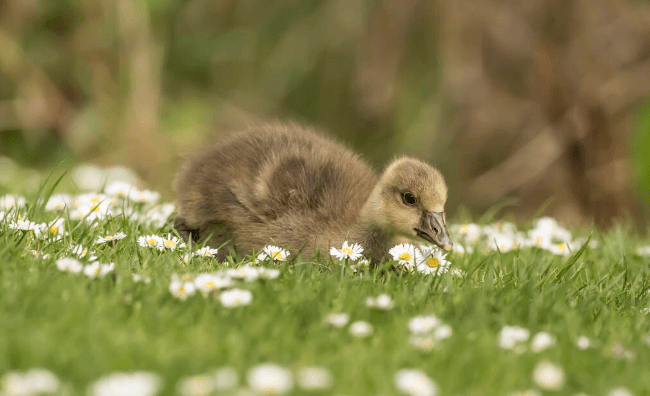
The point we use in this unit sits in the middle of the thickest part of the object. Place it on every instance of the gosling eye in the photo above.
(408, 198)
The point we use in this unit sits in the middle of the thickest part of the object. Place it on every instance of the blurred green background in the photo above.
(536, 104)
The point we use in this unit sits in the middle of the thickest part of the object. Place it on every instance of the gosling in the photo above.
(289, 186)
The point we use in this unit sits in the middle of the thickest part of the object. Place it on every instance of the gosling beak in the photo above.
(433, 229)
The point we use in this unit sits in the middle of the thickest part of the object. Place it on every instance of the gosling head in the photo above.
(409, 199)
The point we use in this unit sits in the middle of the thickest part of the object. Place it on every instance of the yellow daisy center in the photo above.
(464, 228)
(96, 271)
(406, 256)
(433, 262)
(561, 246)
(206, 253)
(54, 230)
(95, 199)
(276, 255)
(210, 284)
(181, 290)
(170, 243)
(347, 251)
(151, 241)
(95, 208)
(186, 277)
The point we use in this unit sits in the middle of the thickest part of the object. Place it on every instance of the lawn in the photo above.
(537, 310)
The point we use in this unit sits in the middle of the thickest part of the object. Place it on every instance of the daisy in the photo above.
(512, 336)
(268, 273)
(31, 382)
(337, 319)
(196, 385)
(442, 332)
(350, 251)
(415, 383)
(144, 196)
(274, 253)
(548, 376)
(127, 384)
(225, 378)
(361, 329)
(182, 290)
(69, 264)
(209, 282)
(139, 278)
(471, 232)
(432, 261)
(81, 251)
(643, 251)
(95, 269)
(206, 252)
(158, 215)
(152, 241)
(583, 342)
(25, 225)
(424, 343)
(270, 379)
(109, 238)
(58, 202)
(541, 341)
(235, 298)
(314, 378)
(247, 272)
(560, 249)
(10, 201)
(119, 189)
(172, 242)
(383, 301)
(54, 229)
(405, 254)
(423, 324)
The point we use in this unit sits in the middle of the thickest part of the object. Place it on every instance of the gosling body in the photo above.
(292, 187)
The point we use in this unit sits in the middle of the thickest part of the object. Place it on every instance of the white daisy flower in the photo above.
(560, 249)
(423, 324)
(152, 241)
(512, 336)
(25, 225)
(225, 378)
(182, 290)
(69, 264)
(10, 201)
(337, 319)
(209, 282)
(583, 342)
(82, 251)
(424, 343)
(471, 232)
(314, 378)
(458, 273)
(351, 251)
(172, 242)
(383, 301)
(109, 238)
(414, 382)
(274, 253)
(268, 273)
(643, 251)
(361, 329)
(235, 298)
(405, 254)
(96, 269)
(144, 196)
(270, 379)
(622, 391)
(432, 261)
(196, 385)
(58, 202)
(54, 229)
(548, 376)
(89, 199)
(502, 242)
(542, 341)
(247, 272)
(158, 215)
(442, 332)
(206, 252)
(32, 382)
(139, 278)
(126, 384)
(119, 189)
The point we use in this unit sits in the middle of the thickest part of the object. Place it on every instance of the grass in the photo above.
(82, 328)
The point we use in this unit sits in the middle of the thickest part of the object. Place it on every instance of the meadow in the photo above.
(98, 297)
